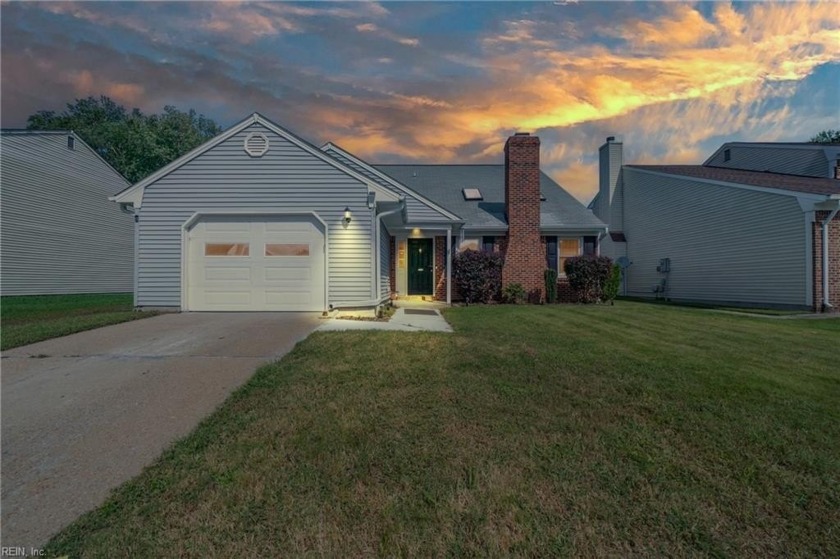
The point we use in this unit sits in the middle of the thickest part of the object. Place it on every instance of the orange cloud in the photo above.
(85, 84)
(680, 79)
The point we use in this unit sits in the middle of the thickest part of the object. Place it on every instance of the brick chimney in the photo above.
(524, 254)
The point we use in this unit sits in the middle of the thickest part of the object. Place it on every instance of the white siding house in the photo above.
(60, 234)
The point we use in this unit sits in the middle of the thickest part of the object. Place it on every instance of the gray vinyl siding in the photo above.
(384, 262)
(226, 178)
(790, 161)
(608, 204)
(417, 211)
(725, 244)
(60, 234)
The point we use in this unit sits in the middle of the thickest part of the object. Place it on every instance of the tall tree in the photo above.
(135, 144)
(826, 137)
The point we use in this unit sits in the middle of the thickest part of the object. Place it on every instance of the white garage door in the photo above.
(255, 264)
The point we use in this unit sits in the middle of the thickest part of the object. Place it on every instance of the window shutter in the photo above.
(488, 244)
(551, 253)
(590, 245)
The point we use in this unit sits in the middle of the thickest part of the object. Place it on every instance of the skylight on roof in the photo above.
(472, 194)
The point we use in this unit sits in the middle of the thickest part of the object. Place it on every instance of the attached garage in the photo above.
(257, 219)
(255, 263)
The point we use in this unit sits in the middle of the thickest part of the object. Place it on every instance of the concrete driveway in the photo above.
(83, 413)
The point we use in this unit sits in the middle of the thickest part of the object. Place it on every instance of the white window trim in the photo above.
(560, 272)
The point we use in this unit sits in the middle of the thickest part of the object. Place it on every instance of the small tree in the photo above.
(826, 137)
(477, 275)
(513, 294)
(550, 286)
(587, 276)
(613, 284)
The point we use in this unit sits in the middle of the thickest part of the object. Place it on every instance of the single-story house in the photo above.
(60, 235)
(259, 219)
(755, 225)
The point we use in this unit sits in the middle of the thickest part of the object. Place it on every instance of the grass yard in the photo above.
(29, 319)
(633, 430)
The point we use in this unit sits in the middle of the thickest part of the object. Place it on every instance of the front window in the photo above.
(469, 243)
(567, 248)
(488, 244)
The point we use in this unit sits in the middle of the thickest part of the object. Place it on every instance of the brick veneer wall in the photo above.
(524, 261)
(834, 261)
(440, 268)
(393, 268)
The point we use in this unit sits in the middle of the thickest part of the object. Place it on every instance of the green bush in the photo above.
(477, 275)
(550, 286)
(587, 276)
(613, 284)
(513, 293)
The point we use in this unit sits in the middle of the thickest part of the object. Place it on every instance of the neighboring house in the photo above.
(741, 236)
(259, 219)
(60, 234)
(806, 159)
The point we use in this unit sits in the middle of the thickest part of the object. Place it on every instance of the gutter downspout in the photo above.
(132, 211)
(825, 260)
(378, 298)
(399, 208)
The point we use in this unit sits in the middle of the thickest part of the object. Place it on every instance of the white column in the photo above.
(449, 266)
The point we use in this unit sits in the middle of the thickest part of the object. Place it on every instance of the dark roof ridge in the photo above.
(438, 164)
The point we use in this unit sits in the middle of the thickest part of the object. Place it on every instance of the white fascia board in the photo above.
(804, 198)
(582, 229)
(398, 185)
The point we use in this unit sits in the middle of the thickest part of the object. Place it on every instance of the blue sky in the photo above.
(448, 82)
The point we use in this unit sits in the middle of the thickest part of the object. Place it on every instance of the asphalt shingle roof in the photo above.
(794, 183)
(442, 184)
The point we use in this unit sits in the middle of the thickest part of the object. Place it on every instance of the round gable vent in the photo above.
(256, 144)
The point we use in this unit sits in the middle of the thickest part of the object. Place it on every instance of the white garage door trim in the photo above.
(194, 218)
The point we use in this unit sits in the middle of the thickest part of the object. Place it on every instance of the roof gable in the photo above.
(415, 213)
(444, 183)
(54, 144)
(134, 194)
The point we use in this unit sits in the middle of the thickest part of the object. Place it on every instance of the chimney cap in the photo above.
(522, 134)
(610, 138)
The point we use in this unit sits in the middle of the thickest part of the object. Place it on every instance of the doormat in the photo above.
(420, 311)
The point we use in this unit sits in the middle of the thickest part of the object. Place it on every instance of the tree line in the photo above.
(138, 144)
(134, 143)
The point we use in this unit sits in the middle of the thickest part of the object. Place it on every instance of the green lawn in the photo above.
(532, 431)
(25, 320)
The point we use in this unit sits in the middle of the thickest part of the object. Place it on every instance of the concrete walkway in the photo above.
(403, 320)
(84, 413)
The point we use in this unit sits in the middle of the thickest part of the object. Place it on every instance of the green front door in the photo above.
(420, 267)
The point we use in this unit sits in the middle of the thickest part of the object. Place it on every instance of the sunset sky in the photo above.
(448, 82)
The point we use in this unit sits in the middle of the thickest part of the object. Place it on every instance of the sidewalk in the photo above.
(404, 320)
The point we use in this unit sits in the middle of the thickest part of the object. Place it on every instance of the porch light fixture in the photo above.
(347, 217)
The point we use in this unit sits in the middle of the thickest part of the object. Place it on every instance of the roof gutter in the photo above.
(827, 306)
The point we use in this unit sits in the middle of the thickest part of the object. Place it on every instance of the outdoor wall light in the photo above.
(347, 217)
